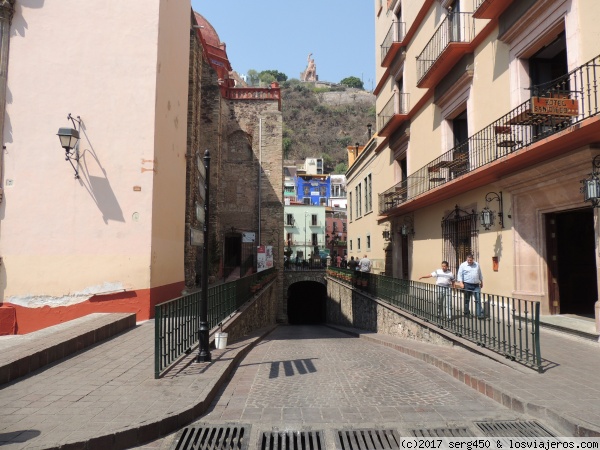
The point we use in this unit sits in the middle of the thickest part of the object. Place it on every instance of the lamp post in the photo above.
(203, 350)
(305, 214)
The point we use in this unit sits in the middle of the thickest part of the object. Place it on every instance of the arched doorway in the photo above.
(306, 303)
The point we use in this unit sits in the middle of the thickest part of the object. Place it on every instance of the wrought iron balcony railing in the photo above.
(456, 27)
(395, 35)
(396, 105)
(553, 107)
(489, 9)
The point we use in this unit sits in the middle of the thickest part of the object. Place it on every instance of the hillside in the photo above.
(322, 121)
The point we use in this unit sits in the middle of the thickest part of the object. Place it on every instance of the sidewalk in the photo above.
(106, 397)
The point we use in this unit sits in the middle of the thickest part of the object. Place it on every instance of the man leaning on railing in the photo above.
(444, 280)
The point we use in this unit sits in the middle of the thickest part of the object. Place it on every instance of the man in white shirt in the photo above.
(444, 280)
(470, 278)
(364, 265)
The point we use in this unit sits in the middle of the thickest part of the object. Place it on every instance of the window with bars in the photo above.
(368, 192)
(460, 237)
(289, 219)
(313, 220)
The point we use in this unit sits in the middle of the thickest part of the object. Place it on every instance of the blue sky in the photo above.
(279, 34)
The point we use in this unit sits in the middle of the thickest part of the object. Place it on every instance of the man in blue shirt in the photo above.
(469, 276)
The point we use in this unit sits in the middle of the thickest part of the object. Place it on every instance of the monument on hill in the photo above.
(310, 74)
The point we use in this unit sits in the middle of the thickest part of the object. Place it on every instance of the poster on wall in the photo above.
(264, 257)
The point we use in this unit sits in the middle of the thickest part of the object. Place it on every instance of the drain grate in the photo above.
(367, 439)
(292, 440)
(214, 438)
(441, 432)
(513, 428)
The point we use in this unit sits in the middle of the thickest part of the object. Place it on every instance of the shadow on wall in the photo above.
(97, 186)
(19, 24)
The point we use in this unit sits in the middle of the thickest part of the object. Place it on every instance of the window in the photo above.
(368, 242)
(306, 190)
(289, 219)
(343, 227)
(334, 224)
(368, 200)
(335, 191)
(350, 244)
(323, 191)
(289, 239)
(307, 201)
(313, 220)
(350, 206)
(358, 244)
(289, 189)
(315, 239)
(358, 201)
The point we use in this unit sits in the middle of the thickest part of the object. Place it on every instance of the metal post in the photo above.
(203, 350)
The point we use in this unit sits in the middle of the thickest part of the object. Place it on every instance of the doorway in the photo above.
(573, 286)
(233, 257)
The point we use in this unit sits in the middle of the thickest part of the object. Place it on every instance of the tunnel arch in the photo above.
(306, 302)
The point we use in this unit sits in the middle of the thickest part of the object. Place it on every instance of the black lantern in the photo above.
(591, 186)
(69, 137)
(487, 217)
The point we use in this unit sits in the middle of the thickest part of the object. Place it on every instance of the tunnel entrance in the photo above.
(306, 303)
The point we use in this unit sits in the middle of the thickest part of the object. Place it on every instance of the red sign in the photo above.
(554, 106)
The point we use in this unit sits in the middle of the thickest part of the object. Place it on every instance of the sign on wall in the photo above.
(264, 257)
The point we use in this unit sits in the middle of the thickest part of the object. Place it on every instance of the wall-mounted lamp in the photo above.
(591, 186)
(356, 149)
(386, 235)
(407, 227)
(487, 216)
(69, 139)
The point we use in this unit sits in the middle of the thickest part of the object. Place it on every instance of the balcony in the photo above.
(564, 110)
(393, 114)
(450, 42)
(392, 43)
(489, 9)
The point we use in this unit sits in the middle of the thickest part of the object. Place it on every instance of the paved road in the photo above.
(314, 377)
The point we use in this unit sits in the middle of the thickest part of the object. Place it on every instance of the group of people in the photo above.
(468, 277)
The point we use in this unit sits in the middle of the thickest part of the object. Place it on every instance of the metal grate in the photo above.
(513, 428)
(292, 440)
(214, 438)
(367, 439)
(441, 432)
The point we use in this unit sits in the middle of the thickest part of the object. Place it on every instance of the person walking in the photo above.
(470, 278)
(444, 280)
(364, 264)
(352, 264)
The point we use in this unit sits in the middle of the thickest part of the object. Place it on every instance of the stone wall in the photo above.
(349, 307)
(259, 313)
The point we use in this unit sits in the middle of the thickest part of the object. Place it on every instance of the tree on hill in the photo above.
(279, 76)
(252, 77)
(353, 82)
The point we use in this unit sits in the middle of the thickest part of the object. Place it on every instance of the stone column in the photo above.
(7, 9)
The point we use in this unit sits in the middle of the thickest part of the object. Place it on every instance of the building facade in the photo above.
(490, 106)
(305, 231)
(112, 232)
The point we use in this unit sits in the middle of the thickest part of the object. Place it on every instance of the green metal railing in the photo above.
(510, 326)
(177, 320)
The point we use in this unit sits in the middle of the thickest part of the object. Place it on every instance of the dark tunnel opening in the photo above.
(306, 303)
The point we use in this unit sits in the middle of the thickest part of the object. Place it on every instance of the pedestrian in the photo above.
(444, 280)
(297, 261)
(338, 261)
(344, 263)
(364, 264)
(353, 264)
(470, 278)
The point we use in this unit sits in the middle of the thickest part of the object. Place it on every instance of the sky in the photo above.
(279, 35)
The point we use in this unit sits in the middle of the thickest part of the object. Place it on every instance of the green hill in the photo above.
(321, 120)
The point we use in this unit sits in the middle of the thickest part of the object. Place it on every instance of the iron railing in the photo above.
(456, 27)
(397, 104)
(394, 35)
(510, 326)
(572, 97)
(176, 321)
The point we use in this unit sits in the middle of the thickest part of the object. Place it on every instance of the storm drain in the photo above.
(441, 432)
(214, 438)
(292, 440)
(367, 439)
(513, 428)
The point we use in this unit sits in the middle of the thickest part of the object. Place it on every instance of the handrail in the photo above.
(575, 97)
(456, 27)
(394, 35)
(509, 326)
(397, 104)
(177, 320)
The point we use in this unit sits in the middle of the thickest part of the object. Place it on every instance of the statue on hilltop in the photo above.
(310, 74)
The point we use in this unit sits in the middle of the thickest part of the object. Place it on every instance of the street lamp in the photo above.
(305, 214)
(203, 329)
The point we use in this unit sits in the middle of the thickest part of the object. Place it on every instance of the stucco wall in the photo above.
(63, 239)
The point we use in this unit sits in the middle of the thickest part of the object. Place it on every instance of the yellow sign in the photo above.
(554, 106)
